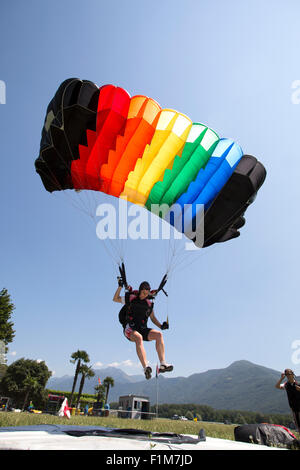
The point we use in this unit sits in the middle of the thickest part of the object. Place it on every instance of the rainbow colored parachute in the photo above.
(102, 139)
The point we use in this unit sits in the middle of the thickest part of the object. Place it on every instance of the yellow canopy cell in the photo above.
(170, 134)
(164, 159)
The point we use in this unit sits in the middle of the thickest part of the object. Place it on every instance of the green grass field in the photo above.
(221, 431)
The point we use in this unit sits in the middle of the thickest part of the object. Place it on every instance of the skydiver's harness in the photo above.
(135, 312)
(132, 301)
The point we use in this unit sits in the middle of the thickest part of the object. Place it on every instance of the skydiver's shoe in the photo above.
(148, 372)
(165, 368)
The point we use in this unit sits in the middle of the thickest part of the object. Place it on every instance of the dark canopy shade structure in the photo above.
(69, 114)
(225, 216)
(104, 140)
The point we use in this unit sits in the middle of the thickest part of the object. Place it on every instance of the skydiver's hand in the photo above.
(165, 326)
(120, 282)
(282, 375)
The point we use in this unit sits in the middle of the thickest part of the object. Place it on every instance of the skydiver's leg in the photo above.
(155, 335)
(137, 338)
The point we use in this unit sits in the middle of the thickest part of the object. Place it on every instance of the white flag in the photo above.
(64, 409)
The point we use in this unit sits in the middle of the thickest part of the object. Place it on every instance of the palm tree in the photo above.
(86, 372)
(79, 356)
(100, 390)
(108, 382)
(30, 384)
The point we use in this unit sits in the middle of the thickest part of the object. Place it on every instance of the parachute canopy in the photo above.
(102, 139)
(265, 434)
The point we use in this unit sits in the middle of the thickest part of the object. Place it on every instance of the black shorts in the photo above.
(143, 331)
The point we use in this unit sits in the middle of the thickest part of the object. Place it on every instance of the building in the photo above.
(134, 407)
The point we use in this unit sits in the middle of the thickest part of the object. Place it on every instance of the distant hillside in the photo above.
(241, 386)
(65, 383)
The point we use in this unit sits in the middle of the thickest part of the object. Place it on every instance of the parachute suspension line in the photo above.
(87, 206)
(71, 200)
(109, 247)
(121, 250)
(182, 259)
(170, 254)
(174, 254)
(179, 257)
(111, 252)
(112, 249)
(91, 217)
(87, 212)
(168, 301)
(181, 264)
(184, 264)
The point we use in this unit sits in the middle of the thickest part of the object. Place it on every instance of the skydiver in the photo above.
(292, 389)
(135, 328)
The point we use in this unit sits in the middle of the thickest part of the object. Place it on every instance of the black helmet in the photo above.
(144, 286)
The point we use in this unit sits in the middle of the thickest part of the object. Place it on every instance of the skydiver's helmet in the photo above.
(144, 286)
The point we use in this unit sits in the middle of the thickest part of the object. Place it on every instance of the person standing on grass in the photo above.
(292, 388)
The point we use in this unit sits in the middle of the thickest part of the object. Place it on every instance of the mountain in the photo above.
(65, 383)
(240, 386)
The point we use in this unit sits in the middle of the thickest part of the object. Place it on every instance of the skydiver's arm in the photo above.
(297, 387)
(117, 297)
(154, 320)
(279, 385)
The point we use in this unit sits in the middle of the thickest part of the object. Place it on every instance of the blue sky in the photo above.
(230, 65)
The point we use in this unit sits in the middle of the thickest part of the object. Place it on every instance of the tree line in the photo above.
(25, 380)
(207, 413)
